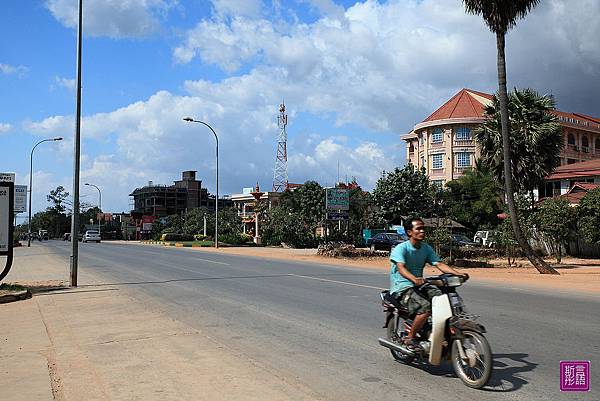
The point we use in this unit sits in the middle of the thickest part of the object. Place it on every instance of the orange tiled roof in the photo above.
(462, 105)
(587, 168)
(467, 103)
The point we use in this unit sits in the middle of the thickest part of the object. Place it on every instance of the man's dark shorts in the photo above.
(418, 302)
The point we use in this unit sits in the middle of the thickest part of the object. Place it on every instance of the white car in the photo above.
(91, 235)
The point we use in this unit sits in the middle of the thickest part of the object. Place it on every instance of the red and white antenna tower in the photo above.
(280, 179)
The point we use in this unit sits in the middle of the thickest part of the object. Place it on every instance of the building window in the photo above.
(585, 144)
(571, 139)
(422, 161)
(463, 159)
(437, 136)
(463, 134)
(437, 160)
(571, 161)
(597, 144)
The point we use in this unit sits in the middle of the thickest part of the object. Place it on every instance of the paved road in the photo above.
(318, 324)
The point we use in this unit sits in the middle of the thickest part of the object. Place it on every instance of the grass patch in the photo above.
(11, 287)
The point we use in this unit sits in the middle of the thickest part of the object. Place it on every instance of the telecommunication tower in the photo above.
(280, 179)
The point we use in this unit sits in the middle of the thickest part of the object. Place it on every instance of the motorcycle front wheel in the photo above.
(396, 331)
(476, 370)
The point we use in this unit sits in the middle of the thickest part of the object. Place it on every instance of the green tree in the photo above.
(229, 222)
(58, 197)
(474, 199)
(404, 192)
(194, 221)
(589, 216)
(279, 226)
(173, 224)
(500, 16)
(308, 204)
(554, 219)
(535, 139)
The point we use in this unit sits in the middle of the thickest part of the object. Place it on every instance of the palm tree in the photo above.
(500, 16)
(535, 139)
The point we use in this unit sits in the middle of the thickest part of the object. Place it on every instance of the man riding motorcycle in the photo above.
(406, 276)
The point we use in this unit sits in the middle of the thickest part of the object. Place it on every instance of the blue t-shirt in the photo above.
(414, 259)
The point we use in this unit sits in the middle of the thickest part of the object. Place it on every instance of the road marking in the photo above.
(338, 282)
(213, 261)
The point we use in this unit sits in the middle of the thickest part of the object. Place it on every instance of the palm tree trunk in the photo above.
(540, 265)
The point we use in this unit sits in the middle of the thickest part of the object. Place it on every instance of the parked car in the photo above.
(384, 241)
(485, 238)
(91, 235)
(459, 240)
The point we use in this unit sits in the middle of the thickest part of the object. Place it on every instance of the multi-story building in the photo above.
(185, 194)
(443, 143)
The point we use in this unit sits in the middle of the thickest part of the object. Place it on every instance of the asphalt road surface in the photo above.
(318, 324)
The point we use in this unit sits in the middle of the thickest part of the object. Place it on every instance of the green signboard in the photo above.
(337, 199)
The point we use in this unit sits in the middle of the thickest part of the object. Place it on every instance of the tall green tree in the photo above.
(555, 218)
(535, 139)
(501, 16)
(194, 221)
(474, 199)
(309, 204)
(589, 216)
(404, 192)
(58, 198)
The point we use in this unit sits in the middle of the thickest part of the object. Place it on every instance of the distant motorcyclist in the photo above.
(406, 276)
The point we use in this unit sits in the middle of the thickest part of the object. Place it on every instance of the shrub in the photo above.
(235, 239)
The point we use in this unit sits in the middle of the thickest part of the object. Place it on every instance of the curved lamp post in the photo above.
(99, 203)
(191, 120)
(58, 138)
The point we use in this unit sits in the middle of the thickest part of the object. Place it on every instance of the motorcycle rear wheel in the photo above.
(396, 335)
(475, 344)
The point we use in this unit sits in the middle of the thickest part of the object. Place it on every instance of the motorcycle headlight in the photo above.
(454, 281)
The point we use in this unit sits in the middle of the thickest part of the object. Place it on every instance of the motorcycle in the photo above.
(449, 334)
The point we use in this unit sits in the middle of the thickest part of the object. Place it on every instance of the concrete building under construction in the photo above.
(163, 200)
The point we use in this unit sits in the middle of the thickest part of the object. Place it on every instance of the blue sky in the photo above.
(354, 75)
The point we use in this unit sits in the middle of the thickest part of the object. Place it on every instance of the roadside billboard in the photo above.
(20, 198)
(7, 177)
(337, 199)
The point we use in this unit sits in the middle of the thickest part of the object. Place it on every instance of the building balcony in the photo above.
(246, 215)
(464, 142)
(462, 170)
(436, 145)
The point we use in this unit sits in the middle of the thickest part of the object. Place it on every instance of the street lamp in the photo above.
(58, 138)
(99, 203)
(191, 120)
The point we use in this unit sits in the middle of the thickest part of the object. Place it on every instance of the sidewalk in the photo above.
(98, 343)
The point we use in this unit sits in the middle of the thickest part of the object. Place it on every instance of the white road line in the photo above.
(213, 261)
(338, 282)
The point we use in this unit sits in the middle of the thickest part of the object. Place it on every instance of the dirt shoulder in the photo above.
(576, 275)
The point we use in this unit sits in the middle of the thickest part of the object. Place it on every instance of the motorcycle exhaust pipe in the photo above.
(395, 347)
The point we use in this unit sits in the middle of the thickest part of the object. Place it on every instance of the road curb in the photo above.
(16, 296)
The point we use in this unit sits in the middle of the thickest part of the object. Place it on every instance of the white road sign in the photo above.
(20, 205)
(7, 177)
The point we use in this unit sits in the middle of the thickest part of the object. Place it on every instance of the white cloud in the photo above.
(4, 128)
(11, 69)
(385, 66)
(113, 18)
(65, 83)
(240, 8)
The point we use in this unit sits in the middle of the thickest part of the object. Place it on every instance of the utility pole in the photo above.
(76, 162)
